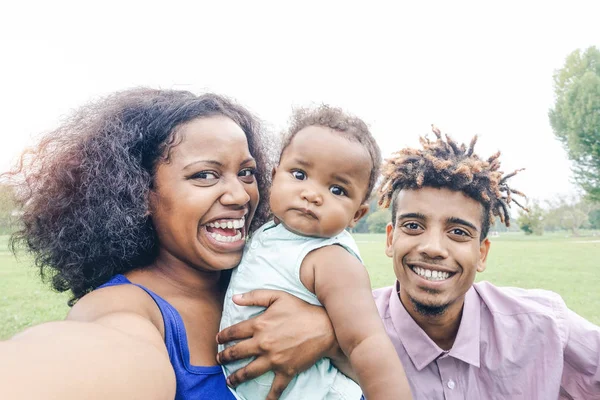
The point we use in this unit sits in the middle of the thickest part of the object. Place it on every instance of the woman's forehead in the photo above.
(218, 138)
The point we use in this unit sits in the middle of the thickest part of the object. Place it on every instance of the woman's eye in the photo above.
(247, 175)
(300, 175)
(338, 191)
(205, 175)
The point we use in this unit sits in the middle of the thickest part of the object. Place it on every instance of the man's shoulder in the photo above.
(382, 300)
(516, 301)
(382, 293)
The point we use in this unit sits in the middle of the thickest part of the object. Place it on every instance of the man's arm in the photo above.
(581, 371)
(342, 285)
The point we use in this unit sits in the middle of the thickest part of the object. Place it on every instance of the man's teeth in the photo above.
(228, 224)
(226, 239)
(431, 275)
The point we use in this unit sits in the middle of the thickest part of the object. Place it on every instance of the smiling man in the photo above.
(463, 340)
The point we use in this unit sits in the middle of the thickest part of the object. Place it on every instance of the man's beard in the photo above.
(428, 310)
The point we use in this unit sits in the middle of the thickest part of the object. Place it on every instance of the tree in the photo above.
(575, 118)
(362, 226)
(595, 219)
(8, 209)
(378, 220)
(570, 213)
(532, 222)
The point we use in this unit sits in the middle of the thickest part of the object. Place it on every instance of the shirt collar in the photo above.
(421, 349)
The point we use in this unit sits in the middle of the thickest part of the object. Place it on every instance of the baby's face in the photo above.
(320, 183)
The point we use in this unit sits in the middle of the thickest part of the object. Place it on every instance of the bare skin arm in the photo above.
(116, 355)
(288, 338)
(342, 285)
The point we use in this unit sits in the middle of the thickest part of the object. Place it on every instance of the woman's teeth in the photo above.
(231, 227)
(229, 224)
(226, 239)
(431, 275)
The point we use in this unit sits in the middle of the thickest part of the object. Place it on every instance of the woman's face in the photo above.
(205, 195)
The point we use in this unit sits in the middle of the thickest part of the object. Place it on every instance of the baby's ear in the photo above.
(273, 173)
(362, 210)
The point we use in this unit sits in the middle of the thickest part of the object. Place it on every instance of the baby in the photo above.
(326, 172)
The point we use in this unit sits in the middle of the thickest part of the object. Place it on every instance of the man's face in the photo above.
(436, 249)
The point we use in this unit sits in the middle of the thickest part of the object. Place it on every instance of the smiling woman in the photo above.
(139, 205)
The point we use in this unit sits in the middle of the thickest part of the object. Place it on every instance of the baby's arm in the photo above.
(342, 285)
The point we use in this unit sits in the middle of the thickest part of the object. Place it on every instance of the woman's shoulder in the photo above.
(120, 299)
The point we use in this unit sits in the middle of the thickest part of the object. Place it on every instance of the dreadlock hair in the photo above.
(446, 164)
(349, 126)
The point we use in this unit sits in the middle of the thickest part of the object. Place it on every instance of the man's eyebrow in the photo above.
(412, 215)
(460, 221)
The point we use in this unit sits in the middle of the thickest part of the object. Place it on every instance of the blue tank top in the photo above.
(193, 382)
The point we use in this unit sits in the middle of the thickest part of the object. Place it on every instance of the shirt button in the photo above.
(451, 384)
(254, 245)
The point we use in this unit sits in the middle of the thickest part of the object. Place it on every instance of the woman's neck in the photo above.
(177, 278)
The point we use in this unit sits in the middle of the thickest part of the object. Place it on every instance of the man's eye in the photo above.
(411, 225)
(338, 191)
(300, 175)
(205, 175)
(459, 232)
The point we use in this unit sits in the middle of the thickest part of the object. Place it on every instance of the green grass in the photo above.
(568, 266)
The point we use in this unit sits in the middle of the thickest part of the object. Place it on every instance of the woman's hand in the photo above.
(288, 338)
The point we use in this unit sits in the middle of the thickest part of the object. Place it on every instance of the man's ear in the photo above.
(389, 239)
(484, 249)
(362, 210)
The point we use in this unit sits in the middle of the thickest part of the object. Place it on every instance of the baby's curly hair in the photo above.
(84, 188)
(351, 127)
(446, 164)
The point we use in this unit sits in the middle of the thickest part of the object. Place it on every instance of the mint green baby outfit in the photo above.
(272, 260)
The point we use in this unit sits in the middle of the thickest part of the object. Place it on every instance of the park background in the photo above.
(524, 76)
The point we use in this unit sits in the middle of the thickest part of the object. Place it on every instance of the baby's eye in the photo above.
(338, 191)
(300, 175)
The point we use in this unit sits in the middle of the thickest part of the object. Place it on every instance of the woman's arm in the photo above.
(288, 338)
(118, 356)
(109, 347)
(342, 285)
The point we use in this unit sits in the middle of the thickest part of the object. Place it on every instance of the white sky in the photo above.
(469, 67)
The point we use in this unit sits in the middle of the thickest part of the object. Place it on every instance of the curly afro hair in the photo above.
(445, 164)
(84, 188)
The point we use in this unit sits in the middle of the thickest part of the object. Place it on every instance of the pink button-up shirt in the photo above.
(511, 344)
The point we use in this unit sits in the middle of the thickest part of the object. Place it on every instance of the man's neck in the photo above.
(443, 328)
